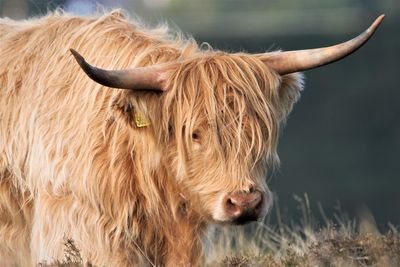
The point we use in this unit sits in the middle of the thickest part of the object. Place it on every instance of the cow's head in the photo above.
(219, 119)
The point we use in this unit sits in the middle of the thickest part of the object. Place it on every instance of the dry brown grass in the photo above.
(72, 257)
(339, 242)
(330, 248)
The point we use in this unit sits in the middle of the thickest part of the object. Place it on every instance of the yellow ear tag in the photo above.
(140, 121)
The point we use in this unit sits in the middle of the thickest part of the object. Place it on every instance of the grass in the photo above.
(330, 246)
(72, 257)
(337, 242)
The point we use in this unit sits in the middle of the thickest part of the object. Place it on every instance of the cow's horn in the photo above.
(299, 60)
(141, 78)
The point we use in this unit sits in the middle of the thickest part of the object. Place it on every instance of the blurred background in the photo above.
(342, 141)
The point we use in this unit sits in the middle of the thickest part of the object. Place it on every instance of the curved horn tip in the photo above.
(376, 23)
(77, 56)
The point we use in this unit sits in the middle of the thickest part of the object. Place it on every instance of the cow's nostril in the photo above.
(231, 207)
(230, 203)
(259, 202)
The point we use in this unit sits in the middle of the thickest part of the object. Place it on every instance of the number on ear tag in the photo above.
(140, 121)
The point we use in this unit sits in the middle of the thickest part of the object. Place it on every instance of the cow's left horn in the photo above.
(141, 78)
(294, 61)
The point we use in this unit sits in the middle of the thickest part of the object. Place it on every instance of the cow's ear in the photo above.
(289, 93)
(121, 109)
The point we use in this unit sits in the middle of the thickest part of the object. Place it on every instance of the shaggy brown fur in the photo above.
(74, 165)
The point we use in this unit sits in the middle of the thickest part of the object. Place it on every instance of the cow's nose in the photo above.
(244, 207)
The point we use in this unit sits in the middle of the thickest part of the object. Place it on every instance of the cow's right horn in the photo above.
(299, 60)
(141, 78)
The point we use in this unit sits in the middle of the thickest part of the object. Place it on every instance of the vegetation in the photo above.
(338, 245)
(337, 242)
(72, 257)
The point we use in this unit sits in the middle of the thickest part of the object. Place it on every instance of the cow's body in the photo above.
(75, 165)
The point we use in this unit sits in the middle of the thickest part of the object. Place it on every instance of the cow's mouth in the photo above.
(246, 218)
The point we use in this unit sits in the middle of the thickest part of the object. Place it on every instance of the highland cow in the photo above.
(134, 175)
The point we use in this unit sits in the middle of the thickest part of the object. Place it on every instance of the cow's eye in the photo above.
(195, 137)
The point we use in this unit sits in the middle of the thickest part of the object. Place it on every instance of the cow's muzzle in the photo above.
(242, 208)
